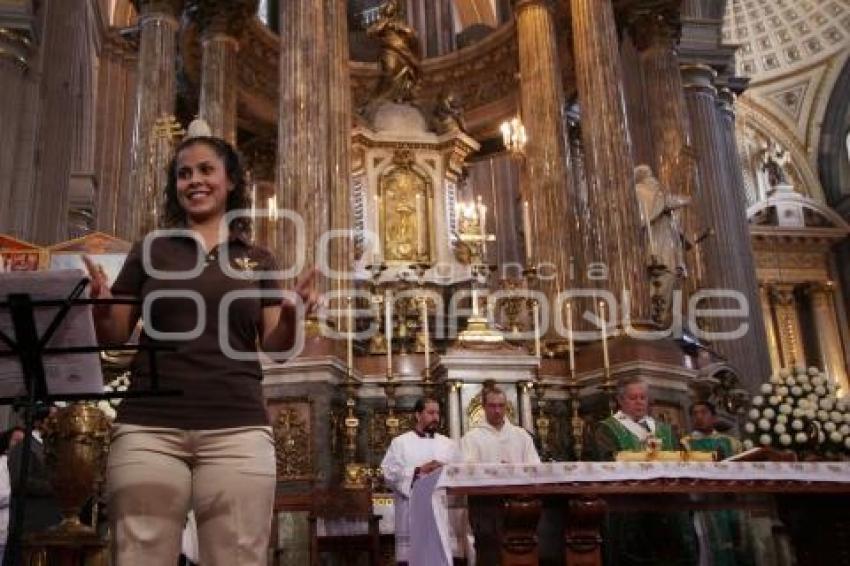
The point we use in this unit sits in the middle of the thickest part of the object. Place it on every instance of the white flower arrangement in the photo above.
(119, 384)
(799, 411)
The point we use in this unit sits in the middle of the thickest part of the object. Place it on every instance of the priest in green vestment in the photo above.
(719, 532)
(641, 538)
(704, 437)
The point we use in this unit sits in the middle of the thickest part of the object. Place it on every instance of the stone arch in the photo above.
(756, 126)
(834, 153)
(809, 208)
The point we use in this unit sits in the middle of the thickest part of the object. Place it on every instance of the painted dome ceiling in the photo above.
(777, 37)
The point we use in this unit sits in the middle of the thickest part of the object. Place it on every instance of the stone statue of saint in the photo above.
(400, 55)
(448, 114)
(666, 243)
(658, 212)
(774, 157)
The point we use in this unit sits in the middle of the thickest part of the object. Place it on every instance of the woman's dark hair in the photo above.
(173, 215)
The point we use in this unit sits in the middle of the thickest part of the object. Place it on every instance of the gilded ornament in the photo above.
(292, 445)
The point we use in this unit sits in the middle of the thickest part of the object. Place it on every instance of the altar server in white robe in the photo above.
(410, 456)
(495, 441)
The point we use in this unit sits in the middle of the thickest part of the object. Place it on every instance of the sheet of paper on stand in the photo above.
(64, 373)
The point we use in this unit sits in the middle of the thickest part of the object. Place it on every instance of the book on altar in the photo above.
(64, 373)
(762, 454)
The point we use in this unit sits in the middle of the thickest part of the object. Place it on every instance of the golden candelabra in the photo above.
(356, 473)
(542, 423)
(577, 425)
(512, 305)
(477, 326)
(378, 341)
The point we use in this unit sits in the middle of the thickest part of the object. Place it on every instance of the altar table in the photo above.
(588, 488)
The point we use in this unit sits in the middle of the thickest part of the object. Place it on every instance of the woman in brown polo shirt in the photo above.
(210, 449)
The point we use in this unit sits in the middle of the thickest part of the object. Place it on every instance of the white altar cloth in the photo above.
(428, 499)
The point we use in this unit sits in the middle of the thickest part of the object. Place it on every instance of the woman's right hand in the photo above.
(99, 282)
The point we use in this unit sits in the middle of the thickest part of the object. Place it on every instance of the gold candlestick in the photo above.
(388, 328)
(535, 309)
(570, 344)
(606, 362)
(350, 336)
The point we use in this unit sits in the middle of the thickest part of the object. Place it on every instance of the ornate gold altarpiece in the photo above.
(792, 237)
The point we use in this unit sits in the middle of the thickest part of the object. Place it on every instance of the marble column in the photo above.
(738, 227)
(655, 32)
(339, 134)
(788, 321)
(16, 50)
(155, 92)
(765, 292)
(303, 161)
(546, 184)
(59, 115)
(726, 253)
(526, 415)
(829, 339)
(608, 156)
(433, 22)
(220, 24)
(455, 415)
(116, 88)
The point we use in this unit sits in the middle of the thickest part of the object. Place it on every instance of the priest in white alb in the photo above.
(410, 456)
(495, 441)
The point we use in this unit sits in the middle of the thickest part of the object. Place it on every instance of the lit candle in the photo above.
(420, 240)
(605, 361)
(271, 204)
(526, 227)
(388, 329)
(475, 302)
(536, 314)
(377, 248)
(482, 215)
(425, 332)
(350, 337)
(254, 205)
(570, 337)
(506, 133)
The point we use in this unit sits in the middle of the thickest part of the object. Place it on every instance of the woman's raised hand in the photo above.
(99, 282)
(305, 286)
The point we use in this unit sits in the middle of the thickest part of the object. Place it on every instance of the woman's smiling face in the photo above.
(202, 183)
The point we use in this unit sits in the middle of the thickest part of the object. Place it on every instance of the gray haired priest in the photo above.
(629, 428)
(642, 537)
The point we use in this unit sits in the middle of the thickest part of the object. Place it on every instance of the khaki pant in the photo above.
(155, 475)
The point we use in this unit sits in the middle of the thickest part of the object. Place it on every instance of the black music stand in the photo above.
(31, 349)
